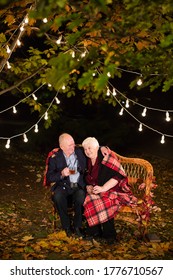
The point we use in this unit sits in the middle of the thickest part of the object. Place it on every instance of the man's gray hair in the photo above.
(90, 141)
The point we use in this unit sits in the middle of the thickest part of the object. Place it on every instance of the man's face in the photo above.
(68, 146)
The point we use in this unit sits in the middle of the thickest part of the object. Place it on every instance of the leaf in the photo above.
(27, 238)
(142, 45)
(10, 19)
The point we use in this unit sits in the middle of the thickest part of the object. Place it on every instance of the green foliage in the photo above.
(132, 35)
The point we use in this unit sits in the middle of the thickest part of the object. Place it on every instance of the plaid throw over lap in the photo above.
(104, 206)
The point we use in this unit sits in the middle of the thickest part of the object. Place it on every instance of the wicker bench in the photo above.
(140, 178)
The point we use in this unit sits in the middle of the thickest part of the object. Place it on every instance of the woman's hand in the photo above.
(98, 189)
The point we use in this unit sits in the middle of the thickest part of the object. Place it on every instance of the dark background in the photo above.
(100, 120)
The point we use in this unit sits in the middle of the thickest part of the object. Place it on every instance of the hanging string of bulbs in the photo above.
(114, 94)
(22, 100)
(35, 126)
(141, 124)
(114, 91)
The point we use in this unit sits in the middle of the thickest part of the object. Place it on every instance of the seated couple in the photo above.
(94, 179)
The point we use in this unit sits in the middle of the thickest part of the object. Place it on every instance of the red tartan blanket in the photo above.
(104, 206)
(45, 182)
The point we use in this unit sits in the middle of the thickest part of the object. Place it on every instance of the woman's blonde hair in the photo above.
(90, 141)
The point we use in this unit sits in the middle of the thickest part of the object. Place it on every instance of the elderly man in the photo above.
(66, 168)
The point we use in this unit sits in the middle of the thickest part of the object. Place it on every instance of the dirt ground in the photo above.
(26, 214)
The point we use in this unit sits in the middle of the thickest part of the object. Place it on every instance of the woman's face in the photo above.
(91, 151)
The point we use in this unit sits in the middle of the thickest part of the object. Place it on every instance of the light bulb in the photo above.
(22, 28)
(167, 117)
(144, 112)
(45, 20)
(8, 65)
(127, 103)
(57, 100)
(63, 87)
(14, 110)
(49, 85)
(83, 54)
(109, 74)
(46, 116)
(121, 111)
(140, 127)
(162, 141)
(59, 40)
(114, 92)
(35, 97)
(7, 146)
(73, 54)
(36, 128)
(139, 82)
(94, 74)
(26, 20)
(8, 49)
(108, 92)
(18, 42)
(25, 139)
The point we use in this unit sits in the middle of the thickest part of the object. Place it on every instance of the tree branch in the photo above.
(22, 81)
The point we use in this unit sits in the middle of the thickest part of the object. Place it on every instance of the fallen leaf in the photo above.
(27, 238)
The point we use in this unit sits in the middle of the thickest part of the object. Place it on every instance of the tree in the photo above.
(84, 45)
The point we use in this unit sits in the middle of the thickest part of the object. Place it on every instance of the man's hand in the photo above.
(89, 189)
(65, 172)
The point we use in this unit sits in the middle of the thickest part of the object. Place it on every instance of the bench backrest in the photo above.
(138, 171)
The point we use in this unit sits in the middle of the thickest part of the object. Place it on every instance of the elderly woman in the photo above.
(107, 190)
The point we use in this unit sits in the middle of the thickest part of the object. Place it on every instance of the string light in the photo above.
(121, 111)
(108, 92)
(167, 117)
(8, 65)
(45, 20)
(162, 141)
(8, 49)
(46, 116)
(140, 127)
(26, 20)
(22, 28)
(59, 40)
(33, 126)
(114, 92)
(18, 42)
(127, 103)
(34, 96)
(73, 54)
(57, 100)
(83, 54)
(163, 135)
(63, 87)
(144, 112)
(25, 139)
(7, 146)
(14, 110)
(22, 99)
(139, 82)
(36, 128)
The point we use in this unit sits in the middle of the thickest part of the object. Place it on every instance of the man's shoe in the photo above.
(68, 232)
(78, 232)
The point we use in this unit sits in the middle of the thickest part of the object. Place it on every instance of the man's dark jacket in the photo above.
(57, 163)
